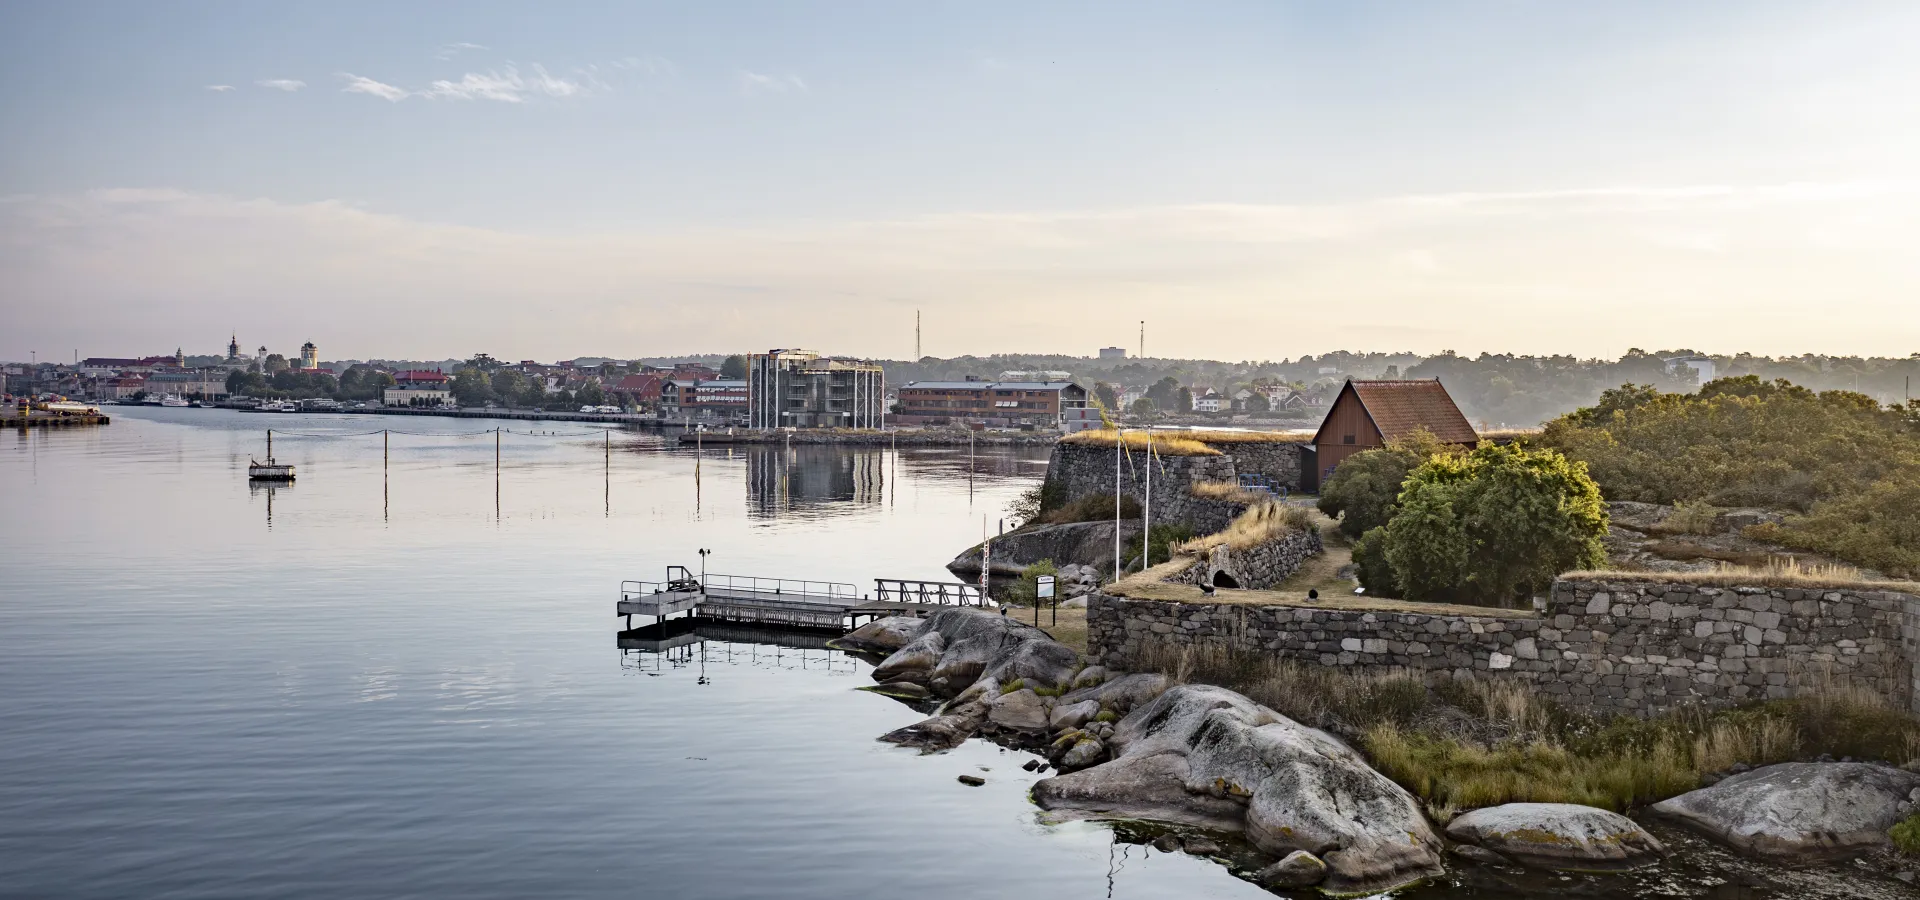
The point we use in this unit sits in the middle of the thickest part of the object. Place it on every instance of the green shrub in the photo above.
(1906, 835)
(1362, 491)
(1106, 715)
(1026, 591)
(1162, 539)
(1494, 526)
(1370, 564)
(1012, 686)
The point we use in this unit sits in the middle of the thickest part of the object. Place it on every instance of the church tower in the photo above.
(309, 356)
(233, 348)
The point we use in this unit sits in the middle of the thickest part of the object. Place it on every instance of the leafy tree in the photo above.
(590, 394)
(734, 368)
(1144, 407)
(483, 362)
(1494, 525)
(1258, 402)
(471, 387)
(508, 386)
(1362, 490)
(1165, 394)
(533, 394)
(274, 364)
(1370, 563)
(1108, 397)
(1183, 400)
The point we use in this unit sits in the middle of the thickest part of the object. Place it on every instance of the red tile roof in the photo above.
(1399, 406)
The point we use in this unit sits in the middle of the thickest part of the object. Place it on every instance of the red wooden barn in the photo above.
(1368, 414)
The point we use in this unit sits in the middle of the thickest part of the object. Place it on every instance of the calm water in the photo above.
(412, 687)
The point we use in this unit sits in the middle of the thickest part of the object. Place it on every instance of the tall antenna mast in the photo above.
(916, 335)
(1143, 339)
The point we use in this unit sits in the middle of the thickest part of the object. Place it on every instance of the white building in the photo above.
(1701, 365)
(1210, 402)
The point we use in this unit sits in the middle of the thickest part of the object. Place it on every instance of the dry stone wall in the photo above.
(1603, 646)
(1256, 568)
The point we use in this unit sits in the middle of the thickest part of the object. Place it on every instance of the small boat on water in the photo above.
(174, 400)
(269, 470)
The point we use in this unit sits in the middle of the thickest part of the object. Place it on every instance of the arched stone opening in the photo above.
(1225, 580)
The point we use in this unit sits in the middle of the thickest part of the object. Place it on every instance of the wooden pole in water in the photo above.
(269, 447)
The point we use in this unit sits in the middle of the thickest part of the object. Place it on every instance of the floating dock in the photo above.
(39, 418)
(787, 603)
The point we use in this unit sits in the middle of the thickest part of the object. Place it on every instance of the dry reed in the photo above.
(1781, 572)
(1261, 523)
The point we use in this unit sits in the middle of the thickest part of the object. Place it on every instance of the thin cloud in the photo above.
(755, 83)
(219, 87)
(282, 84)
(509, 86)
(449, 51)
(357, 84)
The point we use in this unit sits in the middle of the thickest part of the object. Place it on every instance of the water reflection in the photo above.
(694, 645)
(784, 481)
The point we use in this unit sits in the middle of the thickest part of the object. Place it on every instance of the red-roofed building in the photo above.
(1368, 414)
(418, 388)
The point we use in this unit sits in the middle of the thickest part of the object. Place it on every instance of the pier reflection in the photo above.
(705, 646)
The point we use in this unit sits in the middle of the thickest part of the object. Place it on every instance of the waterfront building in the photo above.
(202, 384)
(803, 389)
(418, 388)
(1031, 403)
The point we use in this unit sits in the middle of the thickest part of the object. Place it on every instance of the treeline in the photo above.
(1494, 390)
(474, 385)
(358, 382)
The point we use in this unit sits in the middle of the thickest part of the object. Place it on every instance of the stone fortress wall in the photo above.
(1604, 646)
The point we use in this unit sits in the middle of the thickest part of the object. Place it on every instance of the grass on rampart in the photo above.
(1261, 523)
(1228, 492)
(1775, 573)
(1164, 444)
(1466, 744)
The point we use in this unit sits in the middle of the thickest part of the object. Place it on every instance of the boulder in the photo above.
(1199, 846)
(1086, 752)
(1121, 694)
(880, 636)
(1798, 813)
(1206, 755)
(1038, 663)
(1559, 836)
(1090, 676)
(1298, 869)
(945, 731)
(1021, 710)
(903, 690)
(1075, 543)
(914, 660)
(1073, 715)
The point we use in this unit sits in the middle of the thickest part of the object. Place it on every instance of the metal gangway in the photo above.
(786, 602)
(740, 598)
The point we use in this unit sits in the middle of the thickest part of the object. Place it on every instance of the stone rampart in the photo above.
(1256, 568)
(1625, 646)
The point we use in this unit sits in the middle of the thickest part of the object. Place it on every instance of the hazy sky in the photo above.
(1257, 180)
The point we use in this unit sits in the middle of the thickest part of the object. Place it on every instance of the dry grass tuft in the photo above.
(1163, 444)
(1247, 437)
(1783, 572)
(1228, 492)
(1261, 523)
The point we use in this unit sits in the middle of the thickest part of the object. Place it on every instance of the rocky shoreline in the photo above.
(1314, 813)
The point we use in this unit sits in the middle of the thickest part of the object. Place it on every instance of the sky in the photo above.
(1254, 180)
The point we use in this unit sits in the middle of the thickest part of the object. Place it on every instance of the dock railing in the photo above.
(944, 593)
(783, 587)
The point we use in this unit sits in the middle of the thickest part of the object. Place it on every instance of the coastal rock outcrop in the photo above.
(970, 654)
(1208, 756)
(1083, 543)
(880, 636)
(1798, 813)
(1558, 836)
